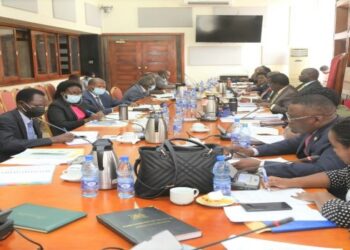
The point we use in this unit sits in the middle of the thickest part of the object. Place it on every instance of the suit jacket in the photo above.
(13, 135)
(260, 89)
(318, 145)
(61, 115)
(134, 93)
(280, 102)
(107, 101)
(305, 87)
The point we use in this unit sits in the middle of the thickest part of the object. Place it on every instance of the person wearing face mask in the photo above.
(68, 111)
(97, 96)
(20, 128)
(139, 90)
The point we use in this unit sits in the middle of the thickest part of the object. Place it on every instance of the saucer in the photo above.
(121, 138)
(200, 130)
(70, 177)
(225, 201)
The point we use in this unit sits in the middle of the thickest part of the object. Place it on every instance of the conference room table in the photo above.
(88, 233)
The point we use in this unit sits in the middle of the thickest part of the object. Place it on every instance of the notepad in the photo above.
(42, 218)
(26, 175)
(45, 156)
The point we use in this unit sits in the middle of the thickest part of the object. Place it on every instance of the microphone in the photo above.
(63, 130)
(269, 225)
(251, 112)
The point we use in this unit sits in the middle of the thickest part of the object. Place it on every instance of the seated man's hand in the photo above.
(250, 165)
(66, 137)
(235, 148)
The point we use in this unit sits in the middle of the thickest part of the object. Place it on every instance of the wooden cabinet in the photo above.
(342, 27)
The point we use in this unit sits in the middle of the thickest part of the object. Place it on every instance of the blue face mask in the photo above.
(99, 91)
(73, 99)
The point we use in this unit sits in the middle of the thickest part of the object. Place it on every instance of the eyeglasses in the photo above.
(298, 118)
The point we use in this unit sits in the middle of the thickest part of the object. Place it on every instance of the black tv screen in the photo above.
(228, 29)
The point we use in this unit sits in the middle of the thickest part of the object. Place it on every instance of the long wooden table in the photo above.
(87, 233)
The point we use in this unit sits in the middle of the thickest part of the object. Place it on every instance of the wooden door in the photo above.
(129, 60)
(159, 55)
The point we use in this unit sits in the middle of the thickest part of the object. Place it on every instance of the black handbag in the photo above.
(160, 168)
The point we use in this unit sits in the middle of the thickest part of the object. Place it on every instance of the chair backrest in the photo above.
(337, 72)
(50, 90)
(2, 110)
(8, 100)
(116, 93)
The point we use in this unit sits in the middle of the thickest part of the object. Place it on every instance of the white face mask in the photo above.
(99, 91)
(73, 99)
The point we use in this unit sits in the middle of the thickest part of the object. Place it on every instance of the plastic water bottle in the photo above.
(177, 125)
(125, 178)
(236, 130)
(193, 101)
(222, 180)
(244, 136)
(90, 178)
(165, 113)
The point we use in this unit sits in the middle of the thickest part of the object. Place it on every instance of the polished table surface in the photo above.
(87, 233)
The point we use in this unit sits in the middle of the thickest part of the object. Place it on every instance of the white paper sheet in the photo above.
(132, 115)
(268, 139)
(299, 212)
(250, 243)
(263, 195)
(26, 175)
(89, 137)
(256, 130)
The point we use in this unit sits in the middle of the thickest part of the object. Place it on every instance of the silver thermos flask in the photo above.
(123, 112)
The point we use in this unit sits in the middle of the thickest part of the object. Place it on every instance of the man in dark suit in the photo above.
(140, 90)
(19, 128)
(97, 96)
(309, 80)
(311, 116)
(283, 93)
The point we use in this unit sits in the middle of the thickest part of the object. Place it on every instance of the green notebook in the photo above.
(41, 218)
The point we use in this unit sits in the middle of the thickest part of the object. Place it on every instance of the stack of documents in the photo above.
(45, 156)
(26, 175)
(106, 123)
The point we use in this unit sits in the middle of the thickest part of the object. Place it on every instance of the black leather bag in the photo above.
(160, 168)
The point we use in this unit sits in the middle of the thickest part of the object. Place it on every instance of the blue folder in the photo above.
(302, 225)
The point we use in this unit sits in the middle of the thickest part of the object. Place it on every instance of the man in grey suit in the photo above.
(20, 128)
(312, 116)
(98, 98)
(283, 93)
(309, 80)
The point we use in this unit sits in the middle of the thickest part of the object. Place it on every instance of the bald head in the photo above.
(308, 75)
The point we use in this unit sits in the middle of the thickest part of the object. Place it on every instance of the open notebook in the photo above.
(41, 174)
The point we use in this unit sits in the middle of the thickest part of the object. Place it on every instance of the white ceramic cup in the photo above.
(183, 195)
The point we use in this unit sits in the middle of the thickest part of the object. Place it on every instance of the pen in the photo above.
(264, 177)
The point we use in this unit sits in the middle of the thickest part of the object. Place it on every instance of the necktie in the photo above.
(99, 102)
(306, 144)
(30, 131)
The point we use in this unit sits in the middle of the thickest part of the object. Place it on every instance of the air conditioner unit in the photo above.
(298, 60)
(208, 2)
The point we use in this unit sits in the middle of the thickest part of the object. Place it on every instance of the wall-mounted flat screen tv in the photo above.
(228, 29)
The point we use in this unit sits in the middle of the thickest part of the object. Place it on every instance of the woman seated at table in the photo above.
(68, 111)
(331, 207)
